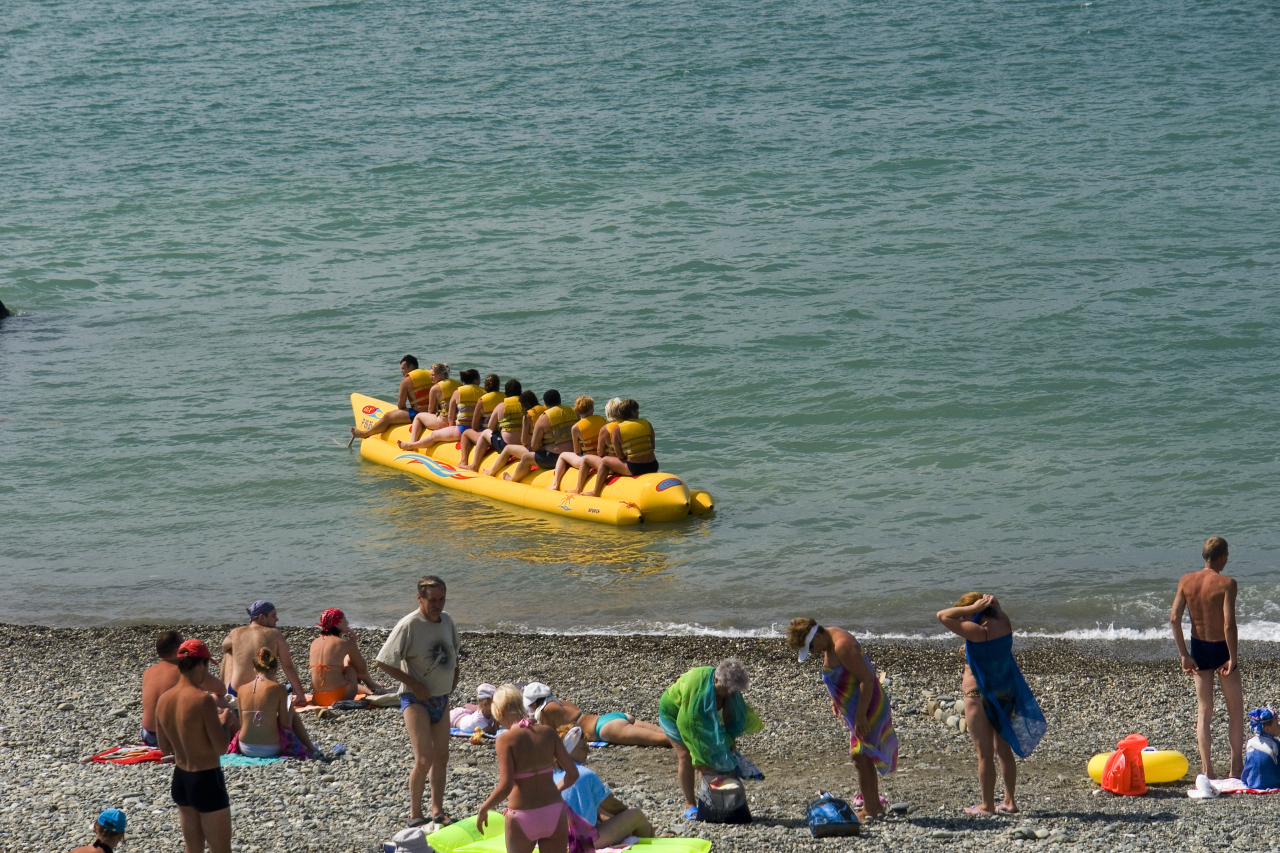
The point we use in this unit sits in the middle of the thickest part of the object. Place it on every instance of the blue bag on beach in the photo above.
(830, 817)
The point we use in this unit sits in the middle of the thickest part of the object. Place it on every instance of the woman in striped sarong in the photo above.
(856, 698)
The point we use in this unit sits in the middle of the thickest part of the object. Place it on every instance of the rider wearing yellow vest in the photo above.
(505, 419)
(633, 441)
(552, 429)
(512, 449)
(406, 402)
(461, 409)
(491, 398)
(584, 434)
(422, 385)
(432, 416)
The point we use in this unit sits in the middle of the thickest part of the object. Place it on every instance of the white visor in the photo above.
(808, 641)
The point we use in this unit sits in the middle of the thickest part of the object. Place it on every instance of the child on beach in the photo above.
(108, 833)
(1262, 755)
(1209, 597)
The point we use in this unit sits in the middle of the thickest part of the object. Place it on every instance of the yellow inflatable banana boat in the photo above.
(627, 500)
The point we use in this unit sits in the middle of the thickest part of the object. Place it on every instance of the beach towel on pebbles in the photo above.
(140, 754)
(1222, 787)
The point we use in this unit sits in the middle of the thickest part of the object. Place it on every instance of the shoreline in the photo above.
(1091, 695)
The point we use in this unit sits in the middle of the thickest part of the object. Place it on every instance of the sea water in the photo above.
(931, 296)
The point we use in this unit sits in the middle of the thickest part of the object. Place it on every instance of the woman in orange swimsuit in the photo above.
(337, 667)
(527, 752)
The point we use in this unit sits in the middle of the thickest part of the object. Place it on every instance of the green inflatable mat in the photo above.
(463, 837)
(644, 845)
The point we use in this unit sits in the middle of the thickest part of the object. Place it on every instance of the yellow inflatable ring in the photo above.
(1158, 765)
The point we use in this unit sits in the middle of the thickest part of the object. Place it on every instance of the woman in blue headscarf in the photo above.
(1002, 715)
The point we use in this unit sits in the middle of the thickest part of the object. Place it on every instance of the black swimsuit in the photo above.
(203, 790)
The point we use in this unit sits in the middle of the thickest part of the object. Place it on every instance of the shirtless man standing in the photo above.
(242, 644)
(1210, 597)
(159, 677)
(188, 728)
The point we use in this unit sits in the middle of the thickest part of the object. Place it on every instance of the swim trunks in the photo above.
(1209, 655)
(203, 790)
(497, 442)
(437, 706)
(638, 468)
(545, 458)
(413, 413)
(149, 737)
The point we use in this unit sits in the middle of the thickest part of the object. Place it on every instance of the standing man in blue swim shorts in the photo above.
(422, 654)
(1209, 597)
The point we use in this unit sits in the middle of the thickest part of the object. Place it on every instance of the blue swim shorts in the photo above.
(437, 706)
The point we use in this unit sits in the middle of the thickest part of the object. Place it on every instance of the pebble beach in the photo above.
(75, 692)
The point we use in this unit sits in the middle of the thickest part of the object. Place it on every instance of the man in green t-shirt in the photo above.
(422, 654)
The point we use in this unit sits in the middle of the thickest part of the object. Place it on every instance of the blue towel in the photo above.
(1008, 701)
(238, 760)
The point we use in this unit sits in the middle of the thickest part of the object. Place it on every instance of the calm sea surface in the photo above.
(931, 296)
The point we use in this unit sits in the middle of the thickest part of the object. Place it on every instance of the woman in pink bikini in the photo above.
(536, 813)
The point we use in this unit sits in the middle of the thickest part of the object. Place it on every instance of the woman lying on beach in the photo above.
(268, 726)
(526, 752)
(1001, 713)
(857, 700)
(591, 799)
(616, 727)
(703, 714)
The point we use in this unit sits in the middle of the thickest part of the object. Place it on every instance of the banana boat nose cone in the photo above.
(701, 503)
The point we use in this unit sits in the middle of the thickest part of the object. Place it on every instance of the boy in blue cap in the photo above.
(108, 831)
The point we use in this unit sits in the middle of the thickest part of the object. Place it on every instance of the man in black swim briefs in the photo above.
(188, 728)
(1209, 597)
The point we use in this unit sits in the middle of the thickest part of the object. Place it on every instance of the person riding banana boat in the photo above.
(585, 434)
(632, 440)
(551, 436)
(530, 410)
(412, 396)
(505, 421)
(436, 415)
(464, 412)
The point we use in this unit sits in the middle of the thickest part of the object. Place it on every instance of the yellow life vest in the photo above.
(534, 414)
(422, 383)
(447, 387)
(467, 397)
(637, 437)
(589, 428)
(562, 420)
(489, 402)
(512, 415)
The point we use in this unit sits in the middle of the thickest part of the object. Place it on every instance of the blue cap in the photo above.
(112, 819)
(1259, 717)
(261, 607)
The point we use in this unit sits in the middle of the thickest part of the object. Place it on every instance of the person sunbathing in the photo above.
(470, 717)
(1262, 754)
(268, 725)
(337, 667)
(616, 727)
(592, 800)
(108, 833)
(159, 677)
(527, 753)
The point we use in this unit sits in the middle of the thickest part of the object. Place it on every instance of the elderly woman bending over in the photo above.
(703, 714)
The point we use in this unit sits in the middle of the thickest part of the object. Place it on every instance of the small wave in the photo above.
(1260, 631)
